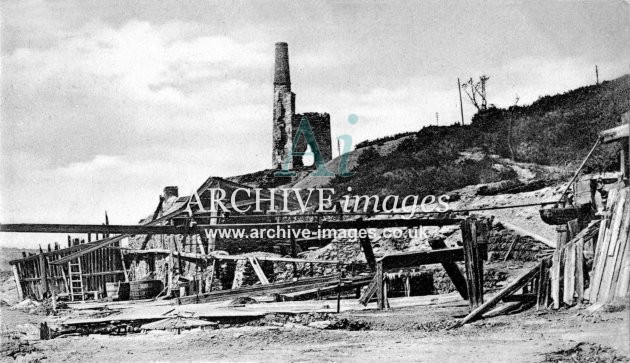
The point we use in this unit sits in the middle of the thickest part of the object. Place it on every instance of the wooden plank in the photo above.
(275, 288)
(369, 292)
(508, 290)
(596, 257)
(473, 260)
(623, 283)
(622, 263)
(525, 232)
(610, 245)
(346, 285)
(579, 270)
(507, 254)
(602, 250)
(452, 270)
(18, 283)
(569, 274)
(616, 250)
(196, 256)
(42, 273)
(555, 278)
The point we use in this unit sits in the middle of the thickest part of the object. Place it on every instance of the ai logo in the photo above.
(305, 130)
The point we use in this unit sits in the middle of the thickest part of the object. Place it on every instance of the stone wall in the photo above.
(524, 248)
(320, 124)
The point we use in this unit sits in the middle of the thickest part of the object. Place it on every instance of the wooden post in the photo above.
(214, 219)
(542, 287)
(122, 261)
(555, 278)
(171, 259)
(42, 271)
(473, 262)
(572, 229)
(562, 235)
(461, 105)
(380, 297)
(293, 253)
(214, 261)
(54, 300)
(339, 295)
(16, 277)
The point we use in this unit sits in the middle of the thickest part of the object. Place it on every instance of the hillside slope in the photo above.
(554, 131)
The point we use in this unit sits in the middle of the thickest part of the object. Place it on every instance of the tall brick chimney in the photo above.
(282, 74)
(283, 107)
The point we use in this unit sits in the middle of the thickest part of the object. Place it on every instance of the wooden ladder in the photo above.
(76, 280)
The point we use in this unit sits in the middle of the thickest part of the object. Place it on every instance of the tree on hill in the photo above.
(476, 92)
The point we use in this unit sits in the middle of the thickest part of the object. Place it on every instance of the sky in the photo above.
(104, 103)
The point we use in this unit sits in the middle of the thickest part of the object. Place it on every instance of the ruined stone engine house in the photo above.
(286, 121)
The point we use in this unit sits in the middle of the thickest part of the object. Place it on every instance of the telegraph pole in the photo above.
(596, 74)
(461, 106)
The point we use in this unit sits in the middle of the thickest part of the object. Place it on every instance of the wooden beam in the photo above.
(258, 270)
(95, 247)
(90, 228)
(616, 133)
(451, 268)
(369, 292)
(415, 259)
(366, 246)
(508, 290)
(152, 228)
(271, 289)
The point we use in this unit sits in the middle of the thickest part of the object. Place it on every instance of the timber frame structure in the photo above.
(179, 248)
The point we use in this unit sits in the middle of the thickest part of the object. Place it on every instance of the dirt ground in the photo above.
(406, 334)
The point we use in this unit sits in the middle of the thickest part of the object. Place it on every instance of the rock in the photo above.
(30, 358)
(237, 335)
(30, 330)
(320, 324)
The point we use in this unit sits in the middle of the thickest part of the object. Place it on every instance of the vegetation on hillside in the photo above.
(554, 130)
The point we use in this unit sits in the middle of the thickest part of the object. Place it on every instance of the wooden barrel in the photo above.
(145, 289)
(117, 290)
